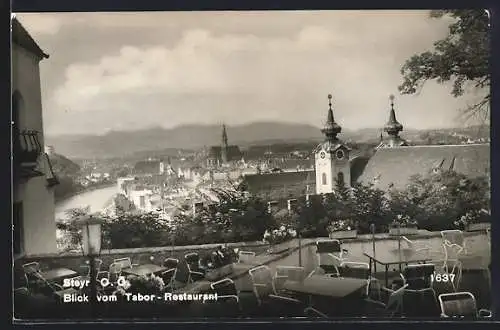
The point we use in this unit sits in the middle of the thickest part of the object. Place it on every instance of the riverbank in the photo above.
(96, 200)
(84, 191)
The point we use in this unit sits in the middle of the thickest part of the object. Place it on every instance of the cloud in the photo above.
(231, 63)
(273, 66)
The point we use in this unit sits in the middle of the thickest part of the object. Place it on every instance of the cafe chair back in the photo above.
(34, 280)
(461, 304)
(325, 249)
(454, 237)
(193, 267)
(170, 263)
(452, 269)
(418, 276)
(416, 247)
(169, 276)
(262, 282)
(125, 263)
(31, 267)
(421, 303)
(226, 290)
(452, 251)
(246, 257)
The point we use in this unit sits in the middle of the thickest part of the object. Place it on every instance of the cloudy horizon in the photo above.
(128, 71)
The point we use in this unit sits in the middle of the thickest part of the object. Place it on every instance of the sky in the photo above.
(129, 71)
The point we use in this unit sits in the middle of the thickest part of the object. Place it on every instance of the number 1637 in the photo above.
(442, 277)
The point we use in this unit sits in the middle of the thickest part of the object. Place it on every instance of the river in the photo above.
(97, 199)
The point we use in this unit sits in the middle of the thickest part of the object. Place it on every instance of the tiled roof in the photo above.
(22, 38)
(358, 165)
(396, 165)
(280, 185)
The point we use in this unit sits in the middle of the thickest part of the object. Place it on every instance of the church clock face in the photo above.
(322, 155)
(340, 154)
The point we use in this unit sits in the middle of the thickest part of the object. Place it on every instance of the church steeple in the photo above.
(224, 135)
(224, 144)
(331, 128)
(393, 127)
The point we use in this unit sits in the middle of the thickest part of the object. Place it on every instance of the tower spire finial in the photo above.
(393, 127)
(331, 128)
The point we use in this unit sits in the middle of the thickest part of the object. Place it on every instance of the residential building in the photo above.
(34, 226)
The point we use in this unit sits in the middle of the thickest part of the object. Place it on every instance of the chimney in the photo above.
(272, 206)
(291, 205)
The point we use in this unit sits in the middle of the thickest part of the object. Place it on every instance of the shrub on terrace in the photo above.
(436, 201)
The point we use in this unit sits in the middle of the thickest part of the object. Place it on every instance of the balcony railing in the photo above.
(27, 149)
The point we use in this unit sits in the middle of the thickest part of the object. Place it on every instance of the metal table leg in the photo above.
(386, 276)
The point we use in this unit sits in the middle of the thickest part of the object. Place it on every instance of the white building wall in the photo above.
(120, 182)
(324, 166)
(39, 227)
(135, 197)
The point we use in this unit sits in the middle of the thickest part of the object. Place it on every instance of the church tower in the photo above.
(223, 150)
(331, 157)
(392, 128)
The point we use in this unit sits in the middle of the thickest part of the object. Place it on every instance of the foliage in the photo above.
(279, 235)
(461, 58)
(403, 220)
(134, 230)
(151, 284)
(232, 220)
(437, 200)
(123, 204)
(369, 206)
(218, 258)
(71, 238)
(471, 217)
(340, 225)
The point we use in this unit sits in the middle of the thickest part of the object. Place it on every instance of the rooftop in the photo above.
(396, 165)
(22, 38)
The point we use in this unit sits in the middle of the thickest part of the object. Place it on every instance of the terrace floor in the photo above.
(475, 279)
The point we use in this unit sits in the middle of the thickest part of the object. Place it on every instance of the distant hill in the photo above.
(124, 143)
(63, 166)
(116, 144)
